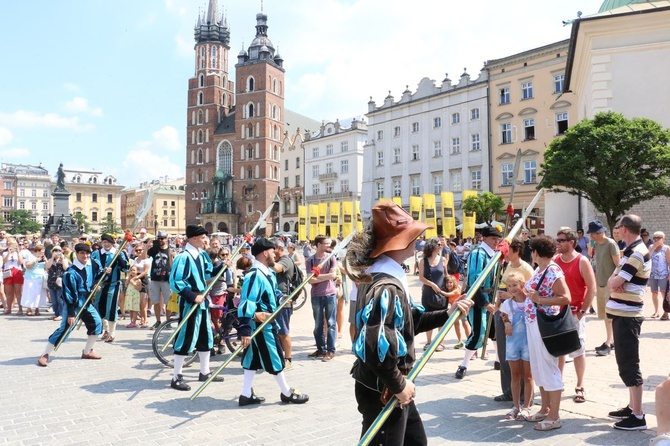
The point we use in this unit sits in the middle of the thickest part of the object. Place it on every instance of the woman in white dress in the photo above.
(34, 293)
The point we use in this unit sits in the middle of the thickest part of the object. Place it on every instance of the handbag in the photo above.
(559, 333)
(6, 274)
(666, 300)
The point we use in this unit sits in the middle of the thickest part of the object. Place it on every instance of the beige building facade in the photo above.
(94, 195)
(167, 207)
(527, 111)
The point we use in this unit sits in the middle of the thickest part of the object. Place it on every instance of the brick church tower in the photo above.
(233, 139)
(259, 125)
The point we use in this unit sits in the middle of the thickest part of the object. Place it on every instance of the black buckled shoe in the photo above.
(253, 399)
(460, 372)
(295, 397)
(217, 379)
(179, 384)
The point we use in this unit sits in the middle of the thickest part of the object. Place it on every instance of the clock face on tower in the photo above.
(253, 54)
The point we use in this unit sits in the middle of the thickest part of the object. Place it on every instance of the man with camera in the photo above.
(159, 287)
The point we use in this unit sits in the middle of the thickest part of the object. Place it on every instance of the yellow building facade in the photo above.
(94, 195)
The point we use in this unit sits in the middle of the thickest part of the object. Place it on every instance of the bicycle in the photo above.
(300, 299)
(227, 334)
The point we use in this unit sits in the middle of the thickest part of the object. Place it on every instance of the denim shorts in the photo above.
(283, 319)
(517, 345)
(658, 285)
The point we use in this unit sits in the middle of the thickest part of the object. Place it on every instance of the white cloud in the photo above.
(29, 119)
(15, 153)
(80, 105)
(147, 165)
(5, 136)
(73, 88)
(166, 138)
(184, 45)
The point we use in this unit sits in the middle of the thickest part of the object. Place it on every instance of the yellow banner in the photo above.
(313, 221)
(448, 216)
(334, 221)
(381, 200)
(415, 207)
(323, 211)
(302, 222)
(469, 218)
(347, 217)
(359, 222)
(398, 201)
(429, 212)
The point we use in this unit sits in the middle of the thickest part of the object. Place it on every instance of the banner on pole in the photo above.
(302, 222)
(313, 221)
(359, 221)
(429, 213)
(347, 217)
(469, 218)
(334, 221)
(448, 216)
(323, 213)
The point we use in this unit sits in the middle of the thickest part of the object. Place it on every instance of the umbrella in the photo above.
(220, 234)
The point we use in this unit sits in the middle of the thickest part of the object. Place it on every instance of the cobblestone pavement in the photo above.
(125, 398)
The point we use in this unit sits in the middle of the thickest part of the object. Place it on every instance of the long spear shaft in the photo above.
(213, 282)
(281, 305)
(421, 363)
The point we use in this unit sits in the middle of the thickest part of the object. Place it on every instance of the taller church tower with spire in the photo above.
(233, 135)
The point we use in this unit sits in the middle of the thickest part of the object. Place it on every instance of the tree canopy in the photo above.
(612, 161)
(22, 222)
(485, 206)
(82, 222)
(109, 226)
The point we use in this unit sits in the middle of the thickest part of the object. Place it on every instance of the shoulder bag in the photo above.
(559, 333)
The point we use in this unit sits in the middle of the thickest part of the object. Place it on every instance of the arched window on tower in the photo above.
(274, 85)
(200, 176)
(223, 82)
(276, 173)
(250, 152)
(214, 57)
(276, 153)
(250, 131)
(275, 132)
(250, 172)
(274, 111)
(250, 110)
(223, 100)
(250, 83)
(224, 159)
(201, 80)
(200, 98)
(200, 137)
(199, 156)
(200, 117)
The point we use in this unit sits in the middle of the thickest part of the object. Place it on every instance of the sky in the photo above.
(101, 85)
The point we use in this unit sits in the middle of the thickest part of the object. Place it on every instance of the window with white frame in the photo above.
(344, 166)
(529, 172)
(285, 164)
(396, 155)
(330, 187)
(527, 90)
(45, 206)
(329, 167)
(456, 181)
(329, 149)
(8, 202)
(380, 158)
(397, 187)
(315, 152)
(507, 170)
(22, 204)
(474, 142)
(344, 185)
(415, 152)
(344, 146)
(437, 183)
(297, 181)
(559, 82)
(380, 135)
(315, 189)
(504, 95)
(561, 122)
(476, 179)
(455, 145)
(529, 129)
(380, 189)
(416, 185)
(437, 148)
(474, 114)
(437, 122)
(455, 118)
(396, 131)
(315, 171)
(285, 182)
(415, 127)
(506, 133)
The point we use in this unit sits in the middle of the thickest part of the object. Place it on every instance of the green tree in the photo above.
(21, 222)
(82, 222)
(109, 226)
(485, 206)
(612, 161)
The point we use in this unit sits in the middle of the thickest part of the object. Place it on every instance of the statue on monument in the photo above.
(60, 178)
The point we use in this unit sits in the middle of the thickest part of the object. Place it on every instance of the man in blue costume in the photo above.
(478, 259)
(78, 281)
(258, 300)
(190, 271)
(107, 300)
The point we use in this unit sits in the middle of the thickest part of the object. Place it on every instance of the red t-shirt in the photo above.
(575, 281)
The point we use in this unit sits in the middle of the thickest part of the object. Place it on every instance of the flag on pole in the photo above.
(313, 221)
(429, 212)
(334, 221)
(448, 216)
(347, 217)
(398, 201)
(469, 218)
(359, 222)
(415, 207)
(323, 211)
(302, 222)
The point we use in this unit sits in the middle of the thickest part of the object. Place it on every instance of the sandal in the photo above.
(537, 416)
(654, 316)
(425, 347)
(664, 317)
(439, 348)
(513, 414)
(30, 313)
(523, 414)
(37, 312)
(547, 425)
(579, 395)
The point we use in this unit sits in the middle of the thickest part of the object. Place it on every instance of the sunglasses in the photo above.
(561, 240)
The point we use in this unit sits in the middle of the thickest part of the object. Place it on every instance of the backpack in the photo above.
(296, 279)
(454, 265)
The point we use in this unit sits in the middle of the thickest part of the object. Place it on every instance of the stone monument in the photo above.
(61, 222)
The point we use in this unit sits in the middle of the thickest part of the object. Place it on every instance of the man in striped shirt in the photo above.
(628, 285)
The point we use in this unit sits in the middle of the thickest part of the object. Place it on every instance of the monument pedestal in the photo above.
(61, 221)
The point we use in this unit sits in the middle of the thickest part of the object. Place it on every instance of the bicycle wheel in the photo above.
(300, 300)
(229, 332)
(161, 335)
